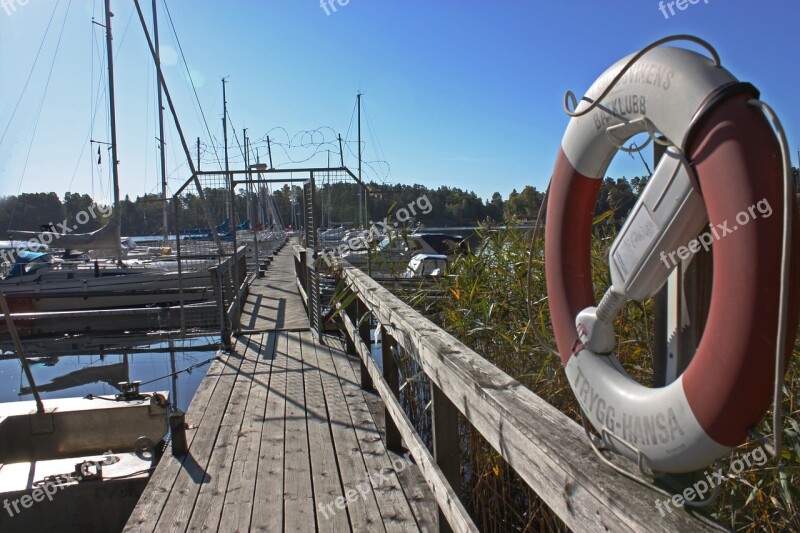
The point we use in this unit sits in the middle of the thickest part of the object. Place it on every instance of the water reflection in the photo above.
(74, 367)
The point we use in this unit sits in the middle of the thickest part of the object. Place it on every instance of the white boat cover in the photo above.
(107, 237)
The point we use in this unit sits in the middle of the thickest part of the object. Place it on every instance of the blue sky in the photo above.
(465, 94)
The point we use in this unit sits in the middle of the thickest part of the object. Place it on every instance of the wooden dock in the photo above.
(284, 435)
(273, 302)
(283, 438)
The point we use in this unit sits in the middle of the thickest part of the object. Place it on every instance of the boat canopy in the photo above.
(23, 245)
(225, 227)
(27, 260)
(107, 237)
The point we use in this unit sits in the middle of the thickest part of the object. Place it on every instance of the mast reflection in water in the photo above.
(74, 367)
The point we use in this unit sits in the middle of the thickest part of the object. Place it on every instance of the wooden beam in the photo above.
(446, 443)
(545, 447)
(449, 502)
(364, 327)
(392, 377)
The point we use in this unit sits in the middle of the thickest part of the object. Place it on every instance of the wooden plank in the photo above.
(302, 292)
(417, 492)
(395, 510)
(208, 507)
(273, 302)
(148, 510)
(297, 487)
(363, 511)
(447, 499)
(546, 448)
(193, 473)
(239, 497)
(268, 511)
(363, 322)
(325, 472)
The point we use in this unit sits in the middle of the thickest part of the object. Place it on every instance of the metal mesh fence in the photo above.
(211, 263)
(339, 204)
(227, 228)
(334, 212)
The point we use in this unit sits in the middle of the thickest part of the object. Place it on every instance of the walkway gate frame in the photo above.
(312, 242)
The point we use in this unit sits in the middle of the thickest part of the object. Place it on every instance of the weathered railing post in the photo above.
(227, 282)
(364, 333)
(350, 312)
(219, 293)
(446, 443)
(242, 264)
(300, 266)
(393, 440)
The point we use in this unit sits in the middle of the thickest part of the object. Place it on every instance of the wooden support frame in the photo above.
(546, 448)
(392, 378)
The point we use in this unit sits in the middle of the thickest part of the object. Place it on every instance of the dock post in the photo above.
(394, 441)
(350, 312)
(219, 292)
(364, 332)
(177, 427)
(12, 331)
(446, 444)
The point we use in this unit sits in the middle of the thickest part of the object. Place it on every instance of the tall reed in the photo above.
(487, 311)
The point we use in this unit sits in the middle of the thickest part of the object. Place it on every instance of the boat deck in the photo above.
(280, 432)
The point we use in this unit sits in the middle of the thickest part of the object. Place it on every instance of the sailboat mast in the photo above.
(249, 188)
(113, 120)
(361, 220)
(179, 130)
(163, 161)
(225, 139)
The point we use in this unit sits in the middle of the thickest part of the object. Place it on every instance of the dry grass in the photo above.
(487, 311)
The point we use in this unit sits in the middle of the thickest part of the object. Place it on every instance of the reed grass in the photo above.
(487, 311)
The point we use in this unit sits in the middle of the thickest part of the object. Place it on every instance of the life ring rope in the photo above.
(786, 242)
(569, 96)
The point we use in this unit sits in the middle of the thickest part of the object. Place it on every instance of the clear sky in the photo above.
(465, 94)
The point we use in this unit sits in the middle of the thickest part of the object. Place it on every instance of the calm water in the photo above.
(74, 369)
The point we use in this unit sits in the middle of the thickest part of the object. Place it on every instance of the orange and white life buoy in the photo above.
(724, 160)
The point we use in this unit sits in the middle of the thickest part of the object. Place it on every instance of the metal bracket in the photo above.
(43, 423)
(129, 391)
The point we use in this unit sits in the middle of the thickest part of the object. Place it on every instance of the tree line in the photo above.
(335, 204)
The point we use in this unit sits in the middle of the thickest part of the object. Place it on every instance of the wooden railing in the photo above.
(229, 281)
(547, 449)
(301, 272)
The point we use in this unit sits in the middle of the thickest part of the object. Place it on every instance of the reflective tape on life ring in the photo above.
(727, 387)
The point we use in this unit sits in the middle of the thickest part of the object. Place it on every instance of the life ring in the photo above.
(733, 154)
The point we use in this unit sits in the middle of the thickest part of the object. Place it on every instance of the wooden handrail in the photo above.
(545, 447)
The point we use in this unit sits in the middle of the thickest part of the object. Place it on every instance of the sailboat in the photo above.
(41, 283)
(97, 452)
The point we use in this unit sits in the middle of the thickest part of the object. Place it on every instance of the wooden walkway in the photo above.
(273, 303)
(282, 438)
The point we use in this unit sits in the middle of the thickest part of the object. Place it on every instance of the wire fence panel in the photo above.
(205, 225)
(230, 224)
